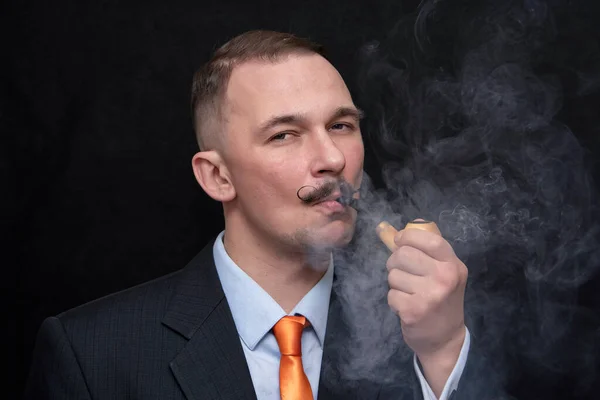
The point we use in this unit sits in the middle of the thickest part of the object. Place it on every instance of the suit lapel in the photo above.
(331, 384)
(212, 364)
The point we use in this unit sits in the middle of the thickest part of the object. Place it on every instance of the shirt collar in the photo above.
(255, 312)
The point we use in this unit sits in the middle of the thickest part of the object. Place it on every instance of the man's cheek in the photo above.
(358, 152)
(355, 163)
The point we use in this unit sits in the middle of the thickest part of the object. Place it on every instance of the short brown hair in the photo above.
(210, 81)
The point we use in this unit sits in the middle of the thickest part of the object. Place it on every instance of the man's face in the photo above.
(290, 124)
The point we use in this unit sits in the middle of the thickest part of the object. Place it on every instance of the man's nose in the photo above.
(328, 158)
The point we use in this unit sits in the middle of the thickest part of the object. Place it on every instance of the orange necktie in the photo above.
(293, 383)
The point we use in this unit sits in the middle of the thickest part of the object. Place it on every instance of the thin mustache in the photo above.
(326, 190)
(321, 192)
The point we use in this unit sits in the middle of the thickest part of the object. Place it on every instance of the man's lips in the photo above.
(332, 197)
(331, 204)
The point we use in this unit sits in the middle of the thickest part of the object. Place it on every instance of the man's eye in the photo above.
(279, 136)
(340, 126)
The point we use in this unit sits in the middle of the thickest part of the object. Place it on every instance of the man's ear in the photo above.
(212, 174)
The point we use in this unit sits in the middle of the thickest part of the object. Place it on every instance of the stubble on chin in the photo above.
(315, 241)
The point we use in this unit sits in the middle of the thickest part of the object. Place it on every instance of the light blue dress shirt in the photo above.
(255, 313)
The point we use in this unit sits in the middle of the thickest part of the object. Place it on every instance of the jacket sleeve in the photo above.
(479, 380)
(405, 389)
(55, 372)
(454, 378)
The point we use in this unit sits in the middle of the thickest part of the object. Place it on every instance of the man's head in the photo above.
(272, 115)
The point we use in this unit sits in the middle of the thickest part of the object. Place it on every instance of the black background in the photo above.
(97, 137)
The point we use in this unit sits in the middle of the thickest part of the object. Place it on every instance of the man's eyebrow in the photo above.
(353, 112)
(281, 120)
(340, 112)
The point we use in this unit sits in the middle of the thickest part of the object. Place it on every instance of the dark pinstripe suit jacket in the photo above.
(171, 338)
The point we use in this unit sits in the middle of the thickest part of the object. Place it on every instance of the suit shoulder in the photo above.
(139, 307)
(151, 296)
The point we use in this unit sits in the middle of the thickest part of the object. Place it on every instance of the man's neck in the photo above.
(286, 276)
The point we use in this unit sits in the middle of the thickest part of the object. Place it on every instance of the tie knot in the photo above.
(288, 333)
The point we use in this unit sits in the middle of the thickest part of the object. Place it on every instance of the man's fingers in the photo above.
(411, 260)
(398, 300)
(404, 281)
(429, 243)
(405, 306)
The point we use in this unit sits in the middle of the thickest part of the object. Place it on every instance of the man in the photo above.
(249, 316)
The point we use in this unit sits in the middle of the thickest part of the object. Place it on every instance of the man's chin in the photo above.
(336, 235)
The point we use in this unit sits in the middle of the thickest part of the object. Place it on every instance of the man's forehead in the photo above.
(296, 84)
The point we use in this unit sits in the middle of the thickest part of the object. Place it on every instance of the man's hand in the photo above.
(427, 286)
